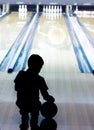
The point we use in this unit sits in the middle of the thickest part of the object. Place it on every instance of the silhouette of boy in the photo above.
(28, 84)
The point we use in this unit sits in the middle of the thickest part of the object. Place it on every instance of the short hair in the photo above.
(35, 61)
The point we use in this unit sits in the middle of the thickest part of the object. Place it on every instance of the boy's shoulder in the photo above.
(21, 72)
(19, 75)
(41, 77)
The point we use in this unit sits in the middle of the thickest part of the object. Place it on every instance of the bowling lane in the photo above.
(53, 43)
(89, 24)
(10, 27)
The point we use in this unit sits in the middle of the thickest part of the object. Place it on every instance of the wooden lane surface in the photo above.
(53, 43)
(89, 24)
(10, 27)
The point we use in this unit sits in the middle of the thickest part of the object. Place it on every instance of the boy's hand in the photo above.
(50, 99)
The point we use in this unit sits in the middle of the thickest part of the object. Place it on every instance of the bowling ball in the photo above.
(48, 109)
(48, 124)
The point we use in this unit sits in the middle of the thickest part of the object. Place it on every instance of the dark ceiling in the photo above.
(57, 2)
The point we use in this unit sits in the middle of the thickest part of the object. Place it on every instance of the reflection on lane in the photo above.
(53, 43)
(85, 46)
(89, 24)
(10, 27)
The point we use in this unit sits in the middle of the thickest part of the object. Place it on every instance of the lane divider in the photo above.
(13, 49)
(11, 66)
(23, 57)
(80, 55)
(84, 42)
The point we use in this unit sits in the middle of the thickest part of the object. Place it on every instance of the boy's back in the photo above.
(28, 84)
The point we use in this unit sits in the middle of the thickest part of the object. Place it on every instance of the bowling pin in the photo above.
(44, 9)
(19, 10)
(60, 9)
(52, 9)
(57, 9)
(49, 9)
(25, 9)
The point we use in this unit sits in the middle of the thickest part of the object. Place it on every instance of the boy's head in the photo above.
(35, 62)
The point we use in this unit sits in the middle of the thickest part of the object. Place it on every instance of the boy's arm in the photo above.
(18, 81)
(45, 93)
